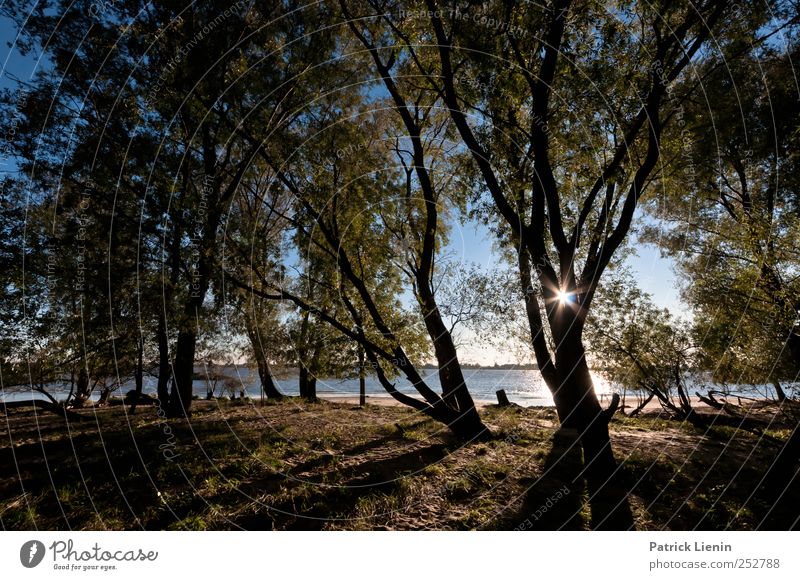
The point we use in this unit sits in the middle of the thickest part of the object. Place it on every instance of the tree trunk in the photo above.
(68, 400)
(783, 468)
(82, 391)
(138, 374)
(578, 408)
(180, 398)
(362, 383)
(303, 381)
(642, 405)
(164, 369)
(466, 421)
(105, 393)
(308, 383)
(502, 398)
(267, 382)
(779, 391)
(268, 386)
(793, 342)
(302, 356)
(42, 404)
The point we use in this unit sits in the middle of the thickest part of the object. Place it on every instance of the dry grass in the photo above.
(299, 465)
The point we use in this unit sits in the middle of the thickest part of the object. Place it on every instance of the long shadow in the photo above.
(324, 502)
(608, 498)
(558, 498)
(719, 485)
(554, 501)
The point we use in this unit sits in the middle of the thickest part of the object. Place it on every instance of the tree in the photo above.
(161, 136)
(564, 167)
(363, 236)
(640, 346)
(730, 215)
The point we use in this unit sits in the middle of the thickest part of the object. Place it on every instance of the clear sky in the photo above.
(654, 274)
(473, 243)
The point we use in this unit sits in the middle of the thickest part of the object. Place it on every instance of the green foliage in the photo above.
(729, 215)
(634, 343)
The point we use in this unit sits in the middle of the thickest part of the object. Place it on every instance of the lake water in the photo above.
(524, 387)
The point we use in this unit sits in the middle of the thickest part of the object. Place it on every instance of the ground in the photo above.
(326, 465)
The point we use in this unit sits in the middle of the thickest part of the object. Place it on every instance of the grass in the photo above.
(295, 465)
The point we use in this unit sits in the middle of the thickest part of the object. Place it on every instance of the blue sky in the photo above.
(12, 65)
(654, 274)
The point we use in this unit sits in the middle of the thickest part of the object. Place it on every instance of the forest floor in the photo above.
(300, 465)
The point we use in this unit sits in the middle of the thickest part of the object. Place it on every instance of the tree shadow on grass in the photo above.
(558, 499)
(322, 501)
(555, 500)
(711, 480)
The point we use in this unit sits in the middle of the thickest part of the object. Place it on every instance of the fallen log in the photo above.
(710, 400)
(45, 406)
(642, 405)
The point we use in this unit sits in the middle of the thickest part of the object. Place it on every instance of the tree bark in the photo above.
(362, 382)
(578, 408)
(138, 374)
(105, 393)
(502, 398)
(642, 405)
(45, 405)
(784, 466)
(267, 382)
(466, 421)
(307, 383)
(82, 391)
(164, 368)
(268, 386)
(779, 391)
(180, 398)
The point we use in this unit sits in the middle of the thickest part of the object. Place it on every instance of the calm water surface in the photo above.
(524, 387)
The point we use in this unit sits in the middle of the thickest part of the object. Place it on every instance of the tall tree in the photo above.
(363, 237)
(729, 216)
(564, 164)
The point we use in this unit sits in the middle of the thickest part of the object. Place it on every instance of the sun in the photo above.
(563, 297)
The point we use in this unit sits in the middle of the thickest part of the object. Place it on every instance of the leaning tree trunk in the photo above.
(781, 394)
(465, 422)
(267, 382)
(264, 373)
